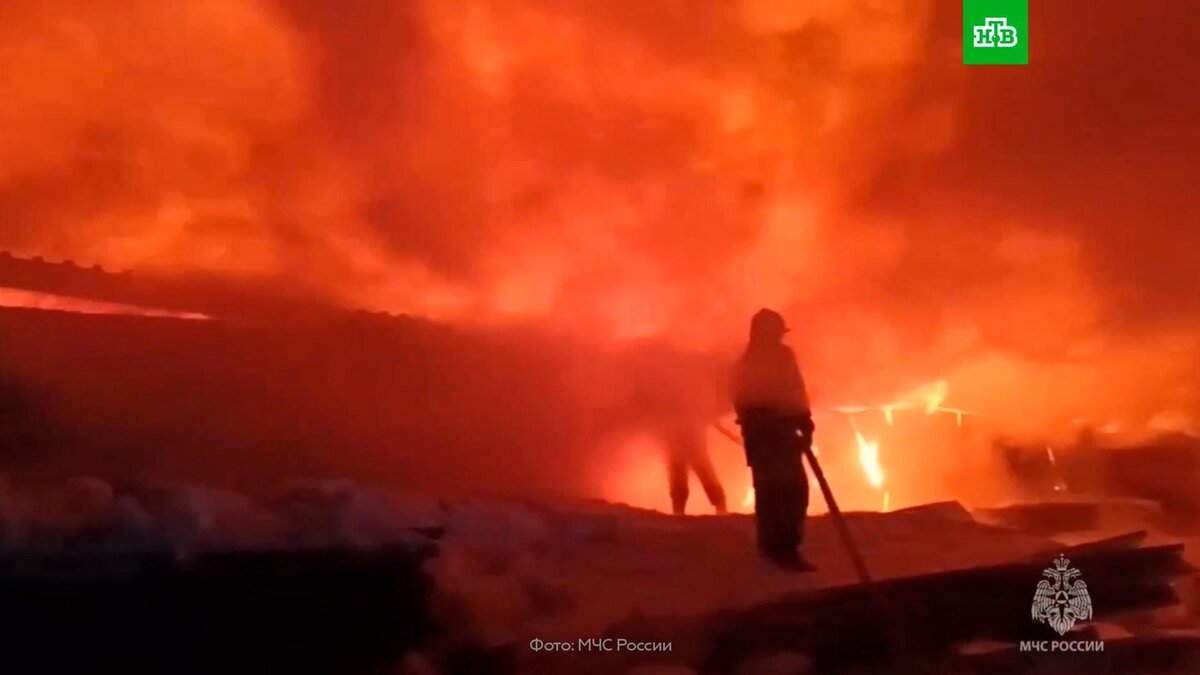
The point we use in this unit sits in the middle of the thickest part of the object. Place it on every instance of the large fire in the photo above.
(624, 169)
(928, 399)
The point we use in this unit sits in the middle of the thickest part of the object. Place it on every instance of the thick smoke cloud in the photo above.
(1058, 228)
(630, 169)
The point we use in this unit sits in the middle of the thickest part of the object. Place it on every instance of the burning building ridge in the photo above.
(38, 283)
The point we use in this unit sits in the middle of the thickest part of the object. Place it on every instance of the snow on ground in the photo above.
(510, 570)
(568, 571)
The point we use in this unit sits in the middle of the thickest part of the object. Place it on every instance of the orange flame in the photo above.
(868, 457)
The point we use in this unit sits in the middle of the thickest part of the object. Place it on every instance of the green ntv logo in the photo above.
(995, 32)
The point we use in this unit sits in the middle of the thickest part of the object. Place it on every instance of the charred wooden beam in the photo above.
(1046, 517)
(1129, 540)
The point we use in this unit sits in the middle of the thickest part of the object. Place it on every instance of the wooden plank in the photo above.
(1045, 517)
(1128, 540)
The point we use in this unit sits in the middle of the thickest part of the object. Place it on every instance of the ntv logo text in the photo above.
(995, 32)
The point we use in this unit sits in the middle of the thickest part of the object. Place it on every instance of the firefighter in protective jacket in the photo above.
(776, 422)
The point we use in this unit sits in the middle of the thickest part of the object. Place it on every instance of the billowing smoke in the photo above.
(627, 169)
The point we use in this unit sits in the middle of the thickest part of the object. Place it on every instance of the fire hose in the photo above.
(891, 623)
(856, 558)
